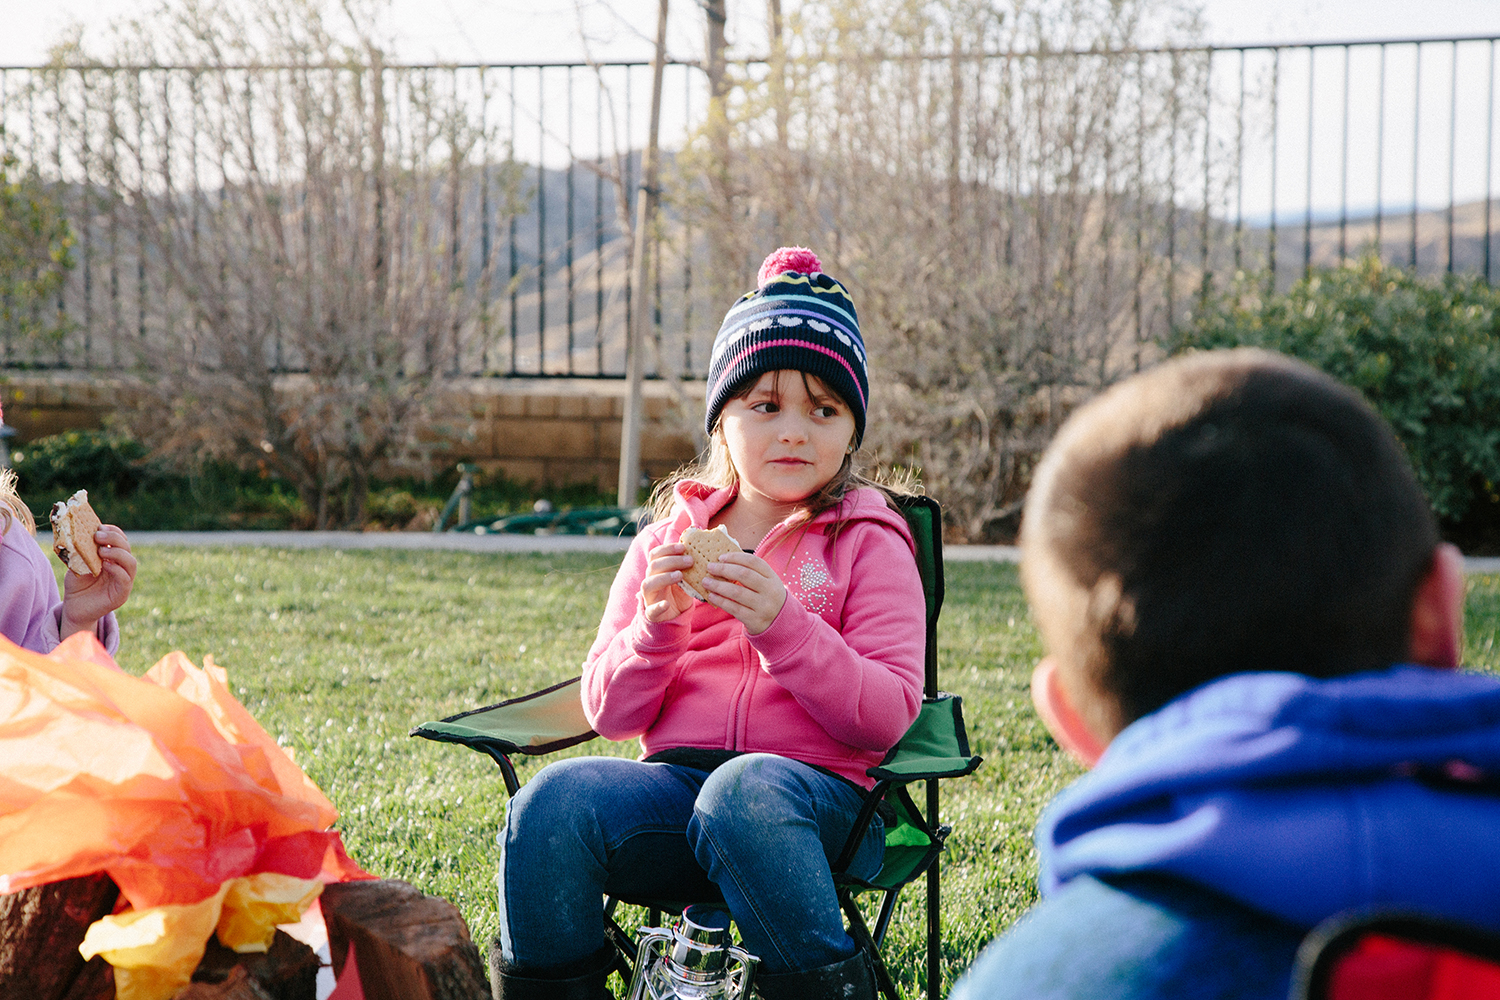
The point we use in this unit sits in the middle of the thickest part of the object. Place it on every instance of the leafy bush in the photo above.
(36, 251)
(393, 508)
(1426, 354)
(128, 487)
(52, 468)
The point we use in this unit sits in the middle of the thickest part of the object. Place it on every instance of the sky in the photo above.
(529, 30)
(500, 31)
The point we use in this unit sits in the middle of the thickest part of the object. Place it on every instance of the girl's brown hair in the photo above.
(716, 469)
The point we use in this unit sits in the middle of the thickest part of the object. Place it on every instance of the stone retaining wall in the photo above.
(568, 430)
(548, 432)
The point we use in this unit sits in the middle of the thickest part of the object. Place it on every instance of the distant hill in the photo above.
(1358, 235)
(580, 331)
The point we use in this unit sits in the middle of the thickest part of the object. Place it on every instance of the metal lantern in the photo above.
(692, 961)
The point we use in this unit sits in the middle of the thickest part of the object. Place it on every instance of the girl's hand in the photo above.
(747, 587)
(662, 598)
(86, 599)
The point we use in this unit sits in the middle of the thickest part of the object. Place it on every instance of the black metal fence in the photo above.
(1340, 147)
(1280, 158)
(537, 158)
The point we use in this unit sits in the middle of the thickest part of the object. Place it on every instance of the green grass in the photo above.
(338, 654)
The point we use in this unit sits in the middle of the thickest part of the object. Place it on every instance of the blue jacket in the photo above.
(1215, 832)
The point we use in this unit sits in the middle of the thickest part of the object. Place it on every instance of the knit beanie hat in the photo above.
(799, 319)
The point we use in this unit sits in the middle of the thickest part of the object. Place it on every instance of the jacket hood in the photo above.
(696, 503)
(1301, 797)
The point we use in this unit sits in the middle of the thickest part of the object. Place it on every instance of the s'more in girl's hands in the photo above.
(73, 525)
(704, 547)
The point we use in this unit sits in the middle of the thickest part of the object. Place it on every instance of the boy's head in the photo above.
(1224, 512)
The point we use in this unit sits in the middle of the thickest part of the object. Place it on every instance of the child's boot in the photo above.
(851, 979)
(581, 980)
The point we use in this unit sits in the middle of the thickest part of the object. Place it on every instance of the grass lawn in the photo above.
(339, 653)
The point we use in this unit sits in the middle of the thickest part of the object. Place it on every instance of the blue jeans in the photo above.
(761, 828)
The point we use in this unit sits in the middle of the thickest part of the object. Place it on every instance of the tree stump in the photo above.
(408, 945)
(95, 982)
(40, 931)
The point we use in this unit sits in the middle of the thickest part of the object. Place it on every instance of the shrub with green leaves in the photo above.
(93, 460)
(126, 486)
(36, 251)
(1425, 353)
(139, 492)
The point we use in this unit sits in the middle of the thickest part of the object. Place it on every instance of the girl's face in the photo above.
(787, 437)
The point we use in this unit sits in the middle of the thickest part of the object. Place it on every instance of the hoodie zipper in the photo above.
(750, 659)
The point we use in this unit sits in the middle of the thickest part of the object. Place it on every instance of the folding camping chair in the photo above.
(935, 747)
(1383, 956)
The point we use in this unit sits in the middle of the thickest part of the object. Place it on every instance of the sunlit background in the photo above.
(508, 30)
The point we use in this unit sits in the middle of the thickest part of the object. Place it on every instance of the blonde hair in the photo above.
(715, 468)
(11, 505)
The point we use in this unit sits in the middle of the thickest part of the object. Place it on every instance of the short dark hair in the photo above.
(1225, 511)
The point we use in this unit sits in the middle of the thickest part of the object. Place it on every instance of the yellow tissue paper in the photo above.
(154, 951)
(257, 903)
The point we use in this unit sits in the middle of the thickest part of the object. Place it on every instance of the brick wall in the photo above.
(550, 431)
(38, 404)
(567, 430)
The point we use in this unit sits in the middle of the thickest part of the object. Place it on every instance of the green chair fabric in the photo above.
(534, 724)
(935, 747)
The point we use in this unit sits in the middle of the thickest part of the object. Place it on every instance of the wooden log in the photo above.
(237, 984)
(95, 982)
(289, 971)
(408, 945)
(40, 931)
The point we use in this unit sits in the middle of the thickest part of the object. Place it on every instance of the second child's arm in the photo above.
(86, 599)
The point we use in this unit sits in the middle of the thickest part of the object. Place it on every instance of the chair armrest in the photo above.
(935, 746)
(537, 723)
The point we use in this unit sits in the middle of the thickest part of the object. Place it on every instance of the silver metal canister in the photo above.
(692, 960)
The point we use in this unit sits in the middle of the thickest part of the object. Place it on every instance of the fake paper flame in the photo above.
(168, 785)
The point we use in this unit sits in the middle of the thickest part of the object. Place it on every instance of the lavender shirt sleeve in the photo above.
(30, 608)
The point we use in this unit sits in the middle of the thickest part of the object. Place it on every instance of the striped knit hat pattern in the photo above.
(799, 319)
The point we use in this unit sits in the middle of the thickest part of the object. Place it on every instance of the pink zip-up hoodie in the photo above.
(834, 681)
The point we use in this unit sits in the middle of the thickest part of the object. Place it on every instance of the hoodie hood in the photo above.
(697, 503)
(1301, 797)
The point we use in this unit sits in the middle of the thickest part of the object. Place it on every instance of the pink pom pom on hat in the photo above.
(780, 261)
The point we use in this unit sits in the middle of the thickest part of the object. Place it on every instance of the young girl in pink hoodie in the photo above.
(31, 615)
(758, 709)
